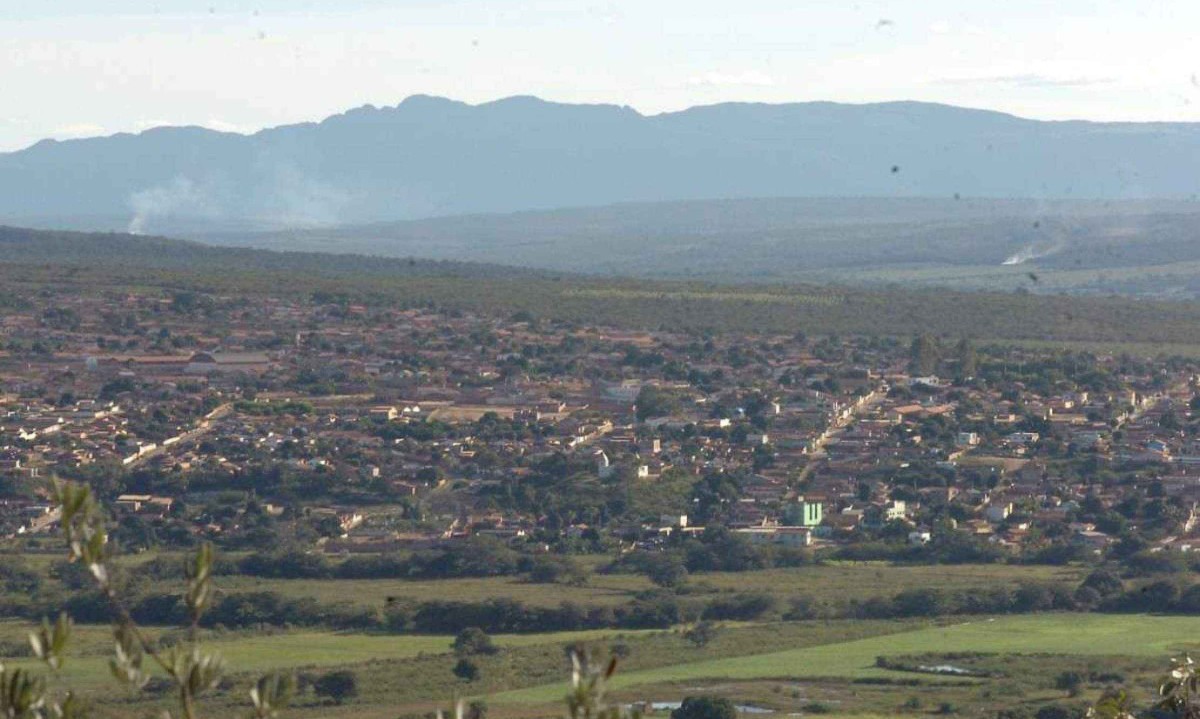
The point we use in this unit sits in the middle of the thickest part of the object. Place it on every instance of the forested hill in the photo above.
(46, 247)
(1145, 248)
(431, 156)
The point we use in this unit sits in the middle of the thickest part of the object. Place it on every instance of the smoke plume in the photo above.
(163, 201)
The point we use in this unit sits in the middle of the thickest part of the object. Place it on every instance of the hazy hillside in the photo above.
(429, 157)
(1137, 247)
(82, 249)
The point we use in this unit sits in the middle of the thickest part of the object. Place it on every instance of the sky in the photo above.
(79, 68)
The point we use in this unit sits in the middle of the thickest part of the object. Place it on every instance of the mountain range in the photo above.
(430, 157)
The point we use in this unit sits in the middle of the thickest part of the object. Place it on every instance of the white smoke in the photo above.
(298, 200)
(1035, 251)
(163, 201)
(278, 196)
(1021, 257)
(1032, 252)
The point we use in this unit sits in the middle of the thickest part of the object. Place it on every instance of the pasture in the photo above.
(819, 582)
(1062, 634)
(778, 665)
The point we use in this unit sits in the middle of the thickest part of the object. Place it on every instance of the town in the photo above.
(339, 428)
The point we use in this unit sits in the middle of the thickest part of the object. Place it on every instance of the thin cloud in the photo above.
(1026, 80)
(78, 129)
(212, 123)
(751, 78)
(216, 123)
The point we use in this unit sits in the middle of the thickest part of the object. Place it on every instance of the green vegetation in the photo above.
(824, 582)
(82, 263)
(360, 670)
(1065, 634)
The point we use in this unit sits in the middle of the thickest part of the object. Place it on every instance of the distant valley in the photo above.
(1141, 248)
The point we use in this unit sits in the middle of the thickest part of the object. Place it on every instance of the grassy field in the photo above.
(830, 581)
(1066, 634)
(781, 665)
(259, 653)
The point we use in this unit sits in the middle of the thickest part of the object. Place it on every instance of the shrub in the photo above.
(472, 641)
(338, 685)
(701, 634)
(741, 607)
(1069, 682)
(549, 570)
(466, 670)
(705, 708)
(1104, 582)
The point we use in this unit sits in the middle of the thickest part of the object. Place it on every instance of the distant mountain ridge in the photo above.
(429, 157)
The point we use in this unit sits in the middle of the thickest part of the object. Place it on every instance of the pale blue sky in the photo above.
(72, 68)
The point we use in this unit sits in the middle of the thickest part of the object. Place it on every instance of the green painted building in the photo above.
(804, 514)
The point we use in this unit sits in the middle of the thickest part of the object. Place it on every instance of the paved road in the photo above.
(202, 428)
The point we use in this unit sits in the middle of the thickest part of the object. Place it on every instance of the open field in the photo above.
(1066, 634)
(775, 665)
(251, 653)
(829, 581)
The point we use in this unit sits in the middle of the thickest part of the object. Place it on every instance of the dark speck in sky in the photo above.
(895, 169)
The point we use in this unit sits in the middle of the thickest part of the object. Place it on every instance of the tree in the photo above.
(705, 708)
(337, 685)
(924, 355)
(466, 670)
(1055, 711)
(655, 402)
(473, 641)
(1189, 602)
(701, 634)
(1157, 596)
(1069, 682)
(549, 570)
(666, 570)
(477, 709)
(968, 360)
